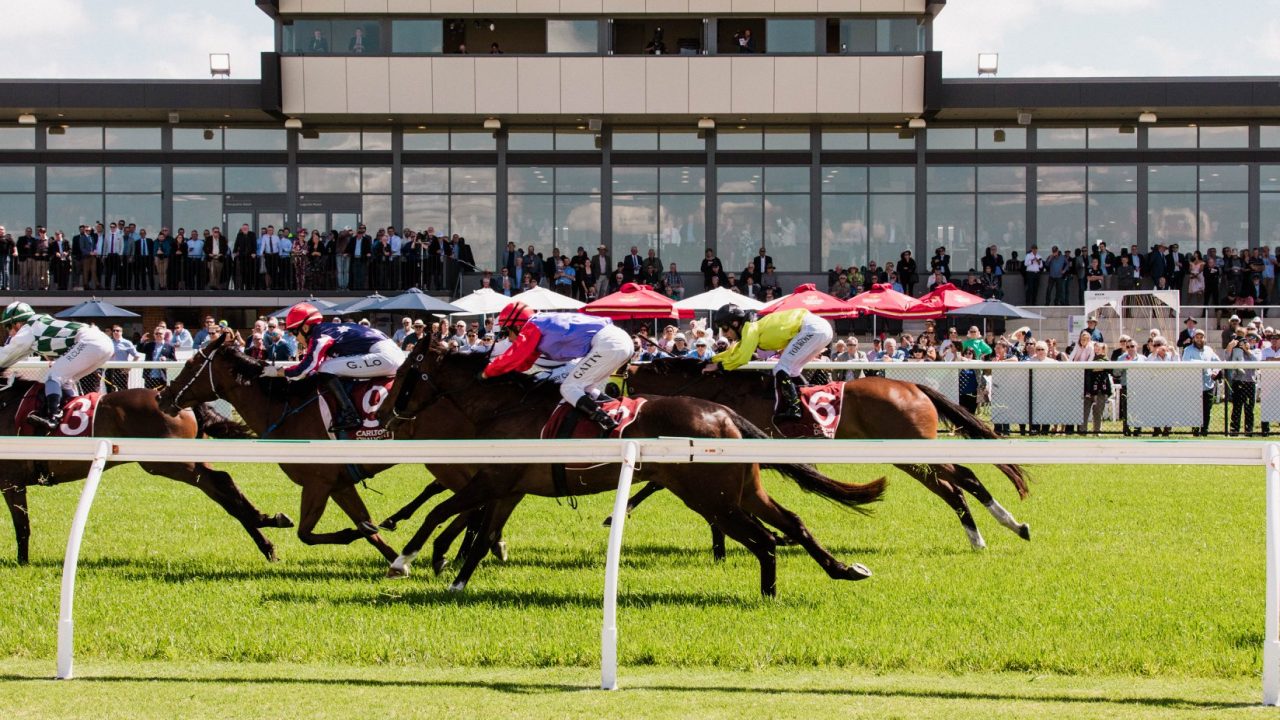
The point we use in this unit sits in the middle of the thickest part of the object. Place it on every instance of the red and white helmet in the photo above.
(302, 315)
(514, 316)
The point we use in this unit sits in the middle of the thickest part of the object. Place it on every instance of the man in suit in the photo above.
(246, 258)
(711, 267)
(215, 254)
(632, 265)
(155, 349)
(59, 262)
(26, 248)
(110, 247)
(941, 261)
(269, 258)
(142, 262)
(760, 263)
(1157, 264)
(598, 274)
(1254, 289)
(361, 254)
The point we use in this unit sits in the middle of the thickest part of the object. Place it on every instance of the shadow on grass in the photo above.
(439, 595)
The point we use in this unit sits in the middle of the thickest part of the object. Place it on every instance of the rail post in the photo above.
(66, 623)
(1271, 644)
(609, 630)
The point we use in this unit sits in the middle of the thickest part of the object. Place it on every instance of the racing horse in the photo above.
(444, 386)
(129, 413)
(872, 408)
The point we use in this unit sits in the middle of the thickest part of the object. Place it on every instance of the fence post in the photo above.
(66, 624)
(609, 630)
(1271, 644)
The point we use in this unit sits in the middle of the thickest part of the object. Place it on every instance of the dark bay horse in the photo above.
(730, 497)
(132, 413)
(874, 408)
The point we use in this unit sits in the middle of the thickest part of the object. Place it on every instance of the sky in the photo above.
(1035, 38)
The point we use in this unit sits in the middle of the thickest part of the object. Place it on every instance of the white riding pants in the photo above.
(814, 336)
(382, 360)
(610, 348)
(91, 351)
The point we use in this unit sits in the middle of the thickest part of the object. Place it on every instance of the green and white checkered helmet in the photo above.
(17, 312)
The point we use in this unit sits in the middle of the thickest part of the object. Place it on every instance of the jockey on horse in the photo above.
(336, 350)
(799, 334)
(602, 346)
(80, 349)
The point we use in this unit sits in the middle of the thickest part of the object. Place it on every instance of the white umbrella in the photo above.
(540, 298)
(482, 302)
(717, 298)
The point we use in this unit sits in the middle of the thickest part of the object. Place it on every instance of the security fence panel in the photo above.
(1269, 396)
(1010, 396)
(1164, 395)
(939, 377)
(1057, 397)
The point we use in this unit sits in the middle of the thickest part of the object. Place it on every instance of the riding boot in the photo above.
(589, 407)
(788, 398)
(347, 417)
(51, 417)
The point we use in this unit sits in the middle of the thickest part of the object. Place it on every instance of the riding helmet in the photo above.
(514, 316)
(302, 315)
(732, 316)
(17, 312)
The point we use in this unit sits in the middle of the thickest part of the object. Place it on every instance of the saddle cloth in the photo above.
(367, 396)
(822, 405)
(624, 411)
(78, 414)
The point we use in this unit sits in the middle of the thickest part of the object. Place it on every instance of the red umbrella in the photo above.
(884, 301)
(636, 302)
(946, 298)
(809, 297)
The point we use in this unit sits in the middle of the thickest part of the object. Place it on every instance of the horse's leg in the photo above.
(227, 485)
(744, 528)
(645, 492)
(348, 498)
(486, 536)
(315, 495)
(15, 496)
(482, 488)
(222, 490)
(772, 512)
(406, 512)
(929, 476)
(966, 480)
(440, 546)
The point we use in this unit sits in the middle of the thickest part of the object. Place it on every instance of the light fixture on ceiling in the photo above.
(917, 123)
(220, 64)
(1147, 117)
(26, 119)
(706, 124)
(174, 118)
(595, 125)
(1024, 117)
(988, 64)
(493, 124)
(293, 124)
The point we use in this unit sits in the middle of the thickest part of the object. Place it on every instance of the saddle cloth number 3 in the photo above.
(75, 416)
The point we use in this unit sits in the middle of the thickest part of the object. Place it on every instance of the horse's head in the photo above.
(413, 390)
(200, 377)
(664, 375)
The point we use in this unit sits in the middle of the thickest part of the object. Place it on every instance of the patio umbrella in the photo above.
(96, 309)
(323, 305)
(636, 302)
(947, 298)
(483, 301)
(992, 308)
(542, 299)
(809, 297)
(413, 300)
(883, 301)
(713, 300)
(359, 305)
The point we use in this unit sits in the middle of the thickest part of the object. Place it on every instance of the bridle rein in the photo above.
(208, 364)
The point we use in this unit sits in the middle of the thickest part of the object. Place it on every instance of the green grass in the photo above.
(1143, 580)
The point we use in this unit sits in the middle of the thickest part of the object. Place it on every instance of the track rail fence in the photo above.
(629, 453)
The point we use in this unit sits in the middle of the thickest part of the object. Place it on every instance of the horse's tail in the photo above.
(211, 423)
(970, 426)
(850, 495)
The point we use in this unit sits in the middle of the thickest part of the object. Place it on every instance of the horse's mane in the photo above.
(247, 370)
(474, 363)
(674, 365)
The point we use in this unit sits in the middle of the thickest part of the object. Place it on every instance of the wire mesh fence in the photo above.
(114, 377)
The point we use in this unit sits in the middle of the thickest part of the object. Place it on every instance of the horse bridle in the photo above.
(406, 388)
(208, 363)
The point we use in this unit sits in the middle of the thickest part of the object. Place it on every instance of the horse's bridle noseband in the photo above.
(406, 387)
(208, 363)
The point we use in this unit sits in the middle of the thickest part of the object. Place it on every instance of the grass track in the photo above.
(1148, 573)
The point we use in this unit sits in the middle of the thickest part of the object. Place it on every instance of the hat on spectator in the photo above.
(1234, 318)
(701, 341)
(680, 336)
(1191, 320)
(1023, 329)
(1199, 331)
(419, 323)
(1092, 319)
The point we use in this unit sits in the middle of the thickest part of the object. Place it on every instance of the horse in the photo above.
(130, 413)
(511, 406)
(873, 408)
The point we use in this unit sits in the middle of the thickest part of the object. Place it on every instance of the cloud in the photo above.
(47, 18)
(1111, 7)
(1057, 69)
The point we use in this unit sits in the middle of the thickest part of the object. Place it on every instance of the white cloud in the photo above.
(1057, 69)
(1106, 6)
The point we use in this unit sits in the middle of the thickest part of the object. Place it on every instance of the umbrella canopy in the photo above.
(323, 305)
(809, 297)
(96, 309)
(884, 301)
(542, 299)
(992, 308)
(359, 305)
(636, 302)
(482, 302)
(718, 298)
(413, 300)
(947, 298)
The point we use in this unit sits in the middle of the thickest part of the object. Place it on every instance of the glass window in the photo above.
(75, 179)
(791, 36)
(75, 137)
(254, 179)
(1124, 137)
(426, 180)
(256, 139)
(376, 180)
(740, 138)
(197, 179)
(132, 178)
(308, 36)
(1060, 221)
(1002, 179)
(475, 217)
(844, 179)
(740, 219)
(951, 220)
(579, 179)
(942, 178)
(681, 235)
(329, 179)
(892, 225)
(891, 139)
(635, 140)
(1002, 221)
(786, 139)
(635, 223)
(1060, 138)
(898, 35)
(67, 212)
(377, 140)
(1060, 178)
(683, 179)
(1002, 138)
(786, 237)
(472, 140)
(786, 179)
(740, 179)
(17, 138)
(844, 139)
(1113, 219)
(531, 221)
(376, 210)
(844, 230)
(423, 211)
(577, 222)
(892, 179)
(1224, 177)
(357, 36)
(417, 36)
(521, 140)
(1171, 137)
(199, 211)
(473, 180)
(1224, 136)
(425, 140)
(1269, 177)
(1113, 178)
(635, 180)
(1224, 220)
(858, 36)
(197, 139)
(1269, 136)
(1163, 178)
(18, 210)
(331, 140)
(681, 140)
(573, 36)
(142, 210)
(950, 138)
(133, 138)
(17, 178)
(575, 140)
(530, 179)
(1171, 219)
(1268, 231)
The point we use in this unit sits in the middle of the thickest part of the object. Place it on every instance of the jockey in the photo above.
(338, 350)
(799, 334)
(602, 346)
(80, 349)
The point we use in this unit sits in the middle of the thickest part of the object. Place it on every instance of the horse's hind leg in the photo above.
(406, 512)
(15, 496)
(770, 511)
(348, 498)
(644, 494)
(966, 480)
(222, 490)
(492, 517)
(928, 475)
(440, 546)
(747, 530)
(228, 488)
(482, 489)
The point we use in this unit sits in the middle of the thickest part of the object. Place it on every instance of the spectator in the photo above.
(973, 341)
(123, 350)
(1244, 383)
(701, 350)
(406, 328)
(156, 350)
(182, 339)
(1097, 389)
(1198, 351)
(206, 333)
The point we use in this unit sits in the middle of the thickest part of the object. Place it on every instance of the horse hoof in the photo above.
(858, 571)
(500, 551)
(457, 587)
(439, 564)
(608, 522)
(388, 524)
(367, 528)
(395, 573)
(1024, 531)
(282, 521)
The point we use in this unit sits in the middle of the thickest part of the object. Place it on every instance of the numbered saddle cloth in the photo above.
(367, 396)
(624, 411)
(78, 414)
(822, 404)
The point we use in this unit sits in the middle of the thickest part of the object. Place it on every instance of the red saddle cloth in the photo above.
(624, 411)
(367, 396)
(78, 414)
(821, 405)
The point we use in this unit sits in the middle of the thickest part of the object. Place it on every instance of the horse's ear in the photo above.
(219, 339)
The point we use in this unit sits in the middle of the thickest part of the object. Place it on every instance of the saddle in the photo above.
(367, 396)
(78, 414)
(822, 406)
(567, 423)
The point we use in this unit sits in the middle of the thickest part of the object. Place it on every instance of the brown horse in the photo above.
(873, 408)
(513, 406)
(133, 413)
